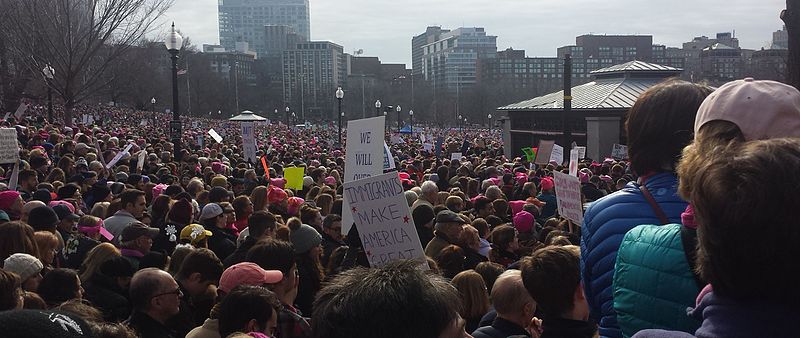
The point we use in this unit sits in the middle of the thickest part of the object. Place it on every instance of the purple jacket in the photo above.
(724, 317)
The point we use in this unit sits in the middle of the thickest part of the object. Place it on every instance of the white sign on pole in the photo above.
(557, 155)
(568, 196)
(21, 110)
(455, 156)
(544, 152)
(249, 142)
(140, 160)
(388, 159)
(364, 148)
(384, 220)
(12, 181)
(9, 149)
(215, 136)
(119, 156)
(581, 152)
(573, 162)
(619, 152)
(365, 142)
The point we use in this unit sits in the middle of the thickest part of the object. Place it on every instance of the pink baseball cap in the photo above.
(247, 273)
(761, 109)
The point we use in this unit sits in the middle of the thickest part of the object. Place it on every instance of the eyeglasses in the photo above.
(177, 292)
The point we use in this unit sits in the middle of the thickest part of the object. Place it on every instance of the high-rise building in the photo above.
(311, 72)
(244, 20)
(616, 49)
(278, 38)
(780, 39)
(432, 33)
(451, 62)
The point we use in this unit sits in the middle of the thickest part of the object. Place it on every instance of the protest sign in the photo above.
(364, 148)
(200, 141)
(568, 196)
(142, 123)
(265, 166)
(573, 162)
(396, 139)
(119, 156)
(249, 142)
(545, 149)
(619, 152)
(99, 152)
(294, 177)
(581, 152)
(438, 146)
(140, 160)
(427, 147)
(21, 110)
(530, 154)
(557, 155)
(5, 117)
(388, 159)
(384, 220)
(9, 149)
(12, 181)
(215, 135)
(455, 156)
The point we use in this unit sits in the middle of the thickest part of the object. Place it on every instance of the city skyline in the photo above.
(354, 25)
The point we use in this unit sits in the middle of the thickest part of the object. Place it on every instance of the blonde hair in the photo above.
(95, 258)
(100, 209)
(45, 241)
(711, 138)
(88, 221)
(474, 296)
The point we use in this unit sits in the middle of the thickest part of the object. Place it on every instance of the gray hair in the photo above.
(509, 294)
(429, 187)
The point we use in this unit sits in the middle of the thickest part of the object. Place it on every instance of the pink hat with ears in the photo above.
(523, 221)
(330, 180)
(516, 206)
(278, 182)
(584, 177)
(547, 183)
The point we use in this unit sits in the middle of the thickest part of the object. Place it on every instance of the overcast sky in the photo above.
(384, 28)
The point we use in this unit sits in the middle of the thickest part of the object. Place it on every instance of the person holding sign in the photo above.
(658, 127)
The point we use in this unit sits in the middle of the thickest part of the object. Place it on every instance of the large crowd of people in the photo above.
(192, 240)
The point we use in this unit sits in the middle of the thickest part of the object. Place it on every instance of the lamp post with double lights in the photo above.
(173, 44)
(49, 73)
(378, 108)
(339, 97)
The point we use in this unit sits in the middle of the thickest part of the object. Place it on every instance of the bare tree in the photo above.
(791, 16)
(80, 39)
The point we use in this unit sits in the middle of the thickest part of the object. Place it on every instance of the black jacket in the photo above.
(567, 328)
(240, 254)
(106, 295)
(328, 246)
(222, 243)
(500, 328)
(147, 327)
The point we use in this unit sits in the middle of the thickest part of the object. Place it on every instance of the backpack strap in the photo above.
(689, 242)
(653, 204)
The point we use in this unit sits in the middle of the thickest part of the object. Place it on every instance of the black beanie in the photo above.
(43, 219)
(42, 324)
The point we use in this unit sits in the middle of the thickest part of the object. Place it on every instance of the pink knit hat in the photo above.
(7, 198)
(547, 183)
(523, 221)
(516, 206)
(294, 206)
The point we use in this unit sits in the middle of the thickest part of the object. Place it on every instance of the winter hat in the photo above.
(121, 177)
(24, 265)
(308, 181)
(63, 212)
(584, 177)
(278, 182)
(67, 191)
(422, 215)
(276, 195)
(761, 109)
(330, 180)
(7, 198)
(217, 167)
(43, 219)
(605, 178)
(180, 212)
(117, 267)
(523, 221)
(547, 183)
(516, 206)
(210, 210)
(219, 181)
(294, 206)
(247, 273)
(42, 195)
(42, 324)
(195, 233)
(305, 238)
(159, 189)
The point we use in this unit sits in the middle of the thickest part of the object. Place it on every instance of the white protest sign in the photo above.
(388, 159)
(581, 152)
(619, 151)
(364, 143)
(140, 160)
(364, 148)
(573, 162)
(383, 219)
(427, 147)
(396, 139)
(143, 123)
(6, 116)
(568, 196)
(119, 156)
(21, 111)
(200, 141)
(249, 142)
(544, 151)
(557, 155)
(455, 156)
(12, 182)
(9, 150)
(215, 136)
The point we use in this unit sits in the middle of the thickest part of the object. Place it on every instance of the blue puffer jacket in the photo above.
(604, 225)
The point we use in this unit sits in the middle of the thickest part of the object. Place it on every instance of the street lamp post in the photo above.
(339, 97)
(153, 109)
(49, 73)
(465, 124)
(490, 120)
(378, 108)
(294, 118)
(173, 44)
(287, 117)
(276, 115)
(398, 118)
(460, 126)
(411, 121)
